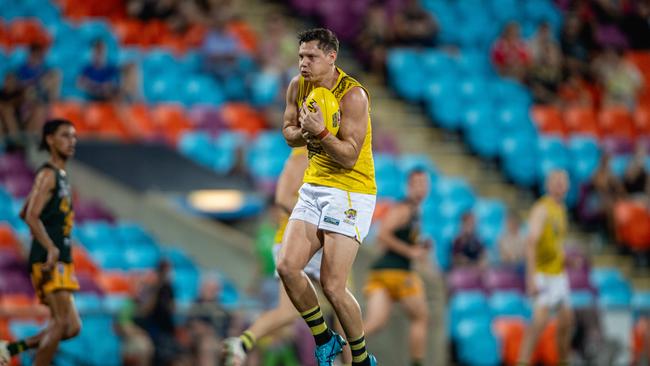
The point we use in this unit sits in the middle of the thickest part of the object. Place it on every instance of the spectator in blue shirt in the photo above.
(41, 83)
(100, 80)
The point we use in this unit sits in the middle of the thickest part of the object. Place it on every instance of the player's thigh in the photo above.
(564, 316)
(339, 253)
(378, 306)
(299, 244)
(68, 309)
(415, 306)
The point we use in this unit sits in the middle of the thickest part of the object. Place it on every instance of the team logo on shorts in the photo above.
(350, 216)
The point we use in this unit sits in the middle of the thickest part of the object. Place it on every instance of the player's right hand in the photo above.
(52, 258)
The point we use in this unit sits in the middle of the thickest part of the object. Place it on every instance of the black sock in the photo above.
(17, 347)
(359, 353)
(314, 319)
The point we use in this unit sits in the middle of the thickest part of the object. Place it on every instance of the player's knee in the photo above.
(333, 290)
(73, 330)
(287, 272)
(57, 329)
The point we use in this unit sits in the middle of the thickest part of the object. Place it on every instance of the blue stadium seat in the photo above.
(615, 298)
(443, 234)
(402, 65)
(88, 303)
(641, 302)
(519, 157)
(132, 233)
(141, 257)
(159, 61)
(388, 177)
(467, 305)
(269, 142)
(111, 258)
(186, 284)
(179, 258)
(585, 155)
(16, 57)
(127, 55)
(513, 117)
(443, 102)
(199, 147)
(408, 162)
(436, 63)
(199, 89)
(509, 303)
(477, 344)
(97, 234)
(582, 299)
(455, 189)
(552, 155)
(605, 277)
(614, 291)
(472, 62)
(265, 89)
(505, 92)
(266, 167)
(481, 133)
(161, 87)
(113, 303)
(618, 164)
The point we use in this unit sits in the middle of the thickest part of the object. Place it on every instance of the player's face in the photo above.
(64, 140)
(558, 184)
(419, 186)
(314, 63)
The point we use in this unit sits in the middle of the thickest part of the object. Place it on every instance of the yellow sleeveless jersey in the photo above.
(549, 256)
(325, 171)
(284, 219)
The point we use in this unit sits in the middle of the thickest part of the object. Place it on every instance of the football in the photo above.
(329, 106)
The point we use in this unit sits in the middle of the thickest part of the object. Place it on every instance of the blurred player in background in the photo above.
(286, 195)
(392, 278)
(546, 280)
(337, 199)
(49, 214)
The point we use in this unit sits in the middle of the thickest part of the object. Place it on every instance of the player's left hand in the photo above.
(311, 122)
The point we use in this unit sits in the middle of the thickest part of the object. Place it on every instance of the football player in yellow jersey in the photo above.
(546, 281)
(337, 199)
(286, 195)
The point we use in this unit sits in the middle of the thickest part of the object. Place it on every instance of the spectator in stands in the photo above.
(137, 348)
(621, 80)
(414, 26)
(11, 100)
(41, 83)
(635, 180)
(277, 48)
(207, 323)
(576, 91)
(375, 35)
(221, 56)
(152, 9)
(100, 79)
(510, 54)
(608, 16)
(576, 42)
(599, 197)
(512, 246)
(467, 249)
(130, 84)
(157, 309)
(546, 69)
(637, 25)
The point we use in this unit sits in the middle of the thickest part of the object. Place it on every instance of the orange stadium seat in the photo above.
(546, 350)
(581, 120)
(242, 117)
(171, 121)
(632, 224)
(153, 32)
(104, 119)
(139, 118)
(511, 333)
(194, 36)
(116, 283)
(27, 31)
(616, 121)
(244, 34)
(640, 341)
(642, 119)
(72, 111)
(128, 31)
(8, 239)
(82, 261)
(549, 120)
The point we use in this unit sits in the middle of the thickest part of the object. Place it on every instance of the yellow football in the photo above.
(329, 106)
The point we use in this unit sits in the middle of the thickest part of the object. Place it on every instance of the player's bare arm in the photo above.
(290, 181)
(345, 147)
(38, 198)
(535, 226)
(291, 127)
(396, 217)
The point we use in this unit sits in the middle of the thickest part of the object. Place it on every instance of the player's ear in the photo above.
(332, 57)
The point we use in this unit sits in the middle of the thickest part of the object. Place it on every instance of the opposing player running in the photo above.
(49, 214)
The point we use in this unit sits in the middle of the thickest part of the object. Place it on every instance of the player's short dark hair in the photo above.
(416, 170)
(327, 40)
(49, 128)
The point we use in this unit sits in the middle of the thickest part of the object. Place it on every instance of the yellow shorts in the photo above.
(398, 283)
(62, 277)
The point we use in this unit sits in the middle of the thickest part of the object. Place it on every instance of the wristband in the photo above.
(323, 134)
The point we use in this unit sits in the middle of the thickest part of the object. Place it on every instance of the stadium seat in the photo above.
(581, 120)
(641, 303)
(400, 64)
(481, 132)
(632, 225)
(243, 117)
(501, 279)
(552, 155)
(104, 119)
(170, 119)
(642, 120)
(519, 158)
(477, 344)
(617, 121)
(386, 171)
(464, 279)
(582, 299)
(116, 283)
(199, 89)
(467, 305)
(549, 120)
(511, 334)
(509, 303)
(640, 341)
(584, 157)
(265, 89)
(83, 264)
(70, 110)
